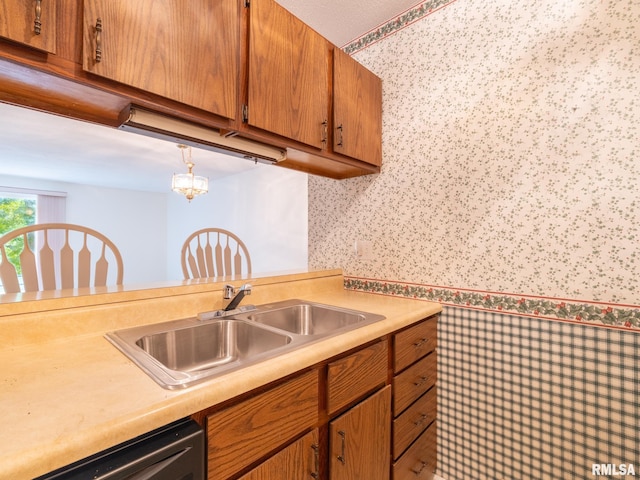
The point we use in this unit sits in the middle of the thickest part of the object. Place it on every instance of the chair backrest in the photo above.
(214, 252)
(58, 256)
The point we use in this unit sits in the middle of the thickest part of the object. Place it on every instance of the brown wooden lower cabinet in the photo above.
(301, 460)
(367, 414)
(360, 440)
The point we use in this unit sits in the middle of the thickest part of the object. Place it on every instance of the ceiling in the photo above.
(45, 146)
(342, 21)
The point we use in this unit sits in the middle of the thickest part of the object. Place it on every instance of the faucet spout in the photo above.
(235, 301)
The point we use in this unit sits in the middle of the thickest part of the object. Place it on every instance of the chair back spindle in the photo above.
(58, 256)
(209, 253)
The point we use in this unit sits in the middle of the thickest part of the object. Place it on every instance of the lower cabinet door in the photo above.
(360, 440)
(301, 460)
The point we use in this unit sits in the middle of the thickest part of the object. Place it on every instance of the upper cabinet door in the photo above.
(357, 107)
(186, 51)
(31, 22)
(288, 91)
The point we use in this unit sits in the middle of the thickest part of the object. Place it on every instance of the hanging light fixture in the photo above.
(188, 184)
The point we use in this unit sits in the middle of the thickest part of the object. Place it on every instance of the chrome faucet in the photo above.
(235, 301)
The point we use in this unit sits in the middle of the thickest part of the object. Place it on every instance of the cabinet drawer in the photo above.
(242, 433)
(413, 382)
(414, 343)
(351, 377)
(408, 426)
(420, 460)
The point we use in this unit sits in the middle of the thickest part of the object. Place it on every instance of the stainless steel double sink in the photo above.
(180, 353)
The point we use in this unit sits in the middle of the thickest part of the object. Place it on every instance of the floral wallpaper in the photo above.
(510, 137)
(508, 193)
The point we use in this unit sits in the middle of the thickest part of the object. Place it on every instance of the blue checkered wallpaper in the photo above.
(523, 398)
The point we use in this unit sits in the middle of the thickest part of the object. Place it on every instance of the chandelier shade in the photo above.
(188, 184)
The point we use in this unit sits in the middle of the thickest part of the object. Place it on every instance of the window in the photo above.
(16, 211)
(22, 207)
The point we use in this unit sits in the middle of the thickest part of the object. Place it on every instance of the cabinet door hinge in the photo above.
(247, 3)
(245, 113)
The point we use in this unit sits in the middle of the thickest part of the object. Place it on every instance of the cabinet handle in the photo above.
(339, 128)
(37, 24)
(418, 471)
(421, 420)
(325, 124)
(421, 381)
(316, 459)
(98, 40)
(420, 342)
(342, 457)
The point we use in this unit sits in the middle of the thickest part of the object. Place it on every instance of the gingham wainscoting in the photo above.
(524, 398)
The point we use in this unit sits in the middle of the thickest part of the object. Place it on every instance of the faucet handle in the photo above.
(229, 291)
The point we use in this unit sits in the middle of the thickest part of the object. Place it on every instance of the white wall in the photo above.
(266, 207)
(134, 220)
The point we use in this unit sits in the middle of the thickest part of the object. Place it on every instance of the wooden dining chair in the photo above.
(58, 256)
(214, 252)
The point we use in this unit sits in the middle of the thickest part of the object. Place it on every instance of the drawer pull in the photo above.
(418, 471)
(98, 40)
(342, 457)
(316, 459)
(420, 342)
(37, 23)
(339, 128)
(421, 420)
(422, 381)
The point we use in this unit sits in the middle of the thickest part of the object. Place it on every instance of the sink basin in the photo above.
(304, 318)
(210, 345)
(180, 353)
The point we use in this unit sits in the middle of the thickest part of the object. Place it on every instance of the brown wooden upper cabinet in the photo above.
(357, 110)
(30, 22)
(184, 51)
(288, 76)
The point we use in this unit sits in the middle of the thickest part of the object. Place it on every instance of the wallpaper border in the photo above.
(412, 15)
(598, 314)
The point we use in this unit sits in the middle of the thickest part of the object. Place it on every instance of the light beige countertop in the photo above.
(67, 395)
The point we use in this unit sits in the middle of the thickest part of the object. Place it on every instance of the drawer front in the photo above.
(420, 461)
(414, 343)
(413, 382)
(352, 377)
(408, 426)
(243, 433)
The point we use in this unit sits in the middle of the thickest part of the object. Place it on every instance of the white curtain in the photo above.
(51, 208)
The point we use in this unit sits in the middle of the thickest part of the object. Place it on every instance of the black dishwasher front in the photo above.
(173, 452)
